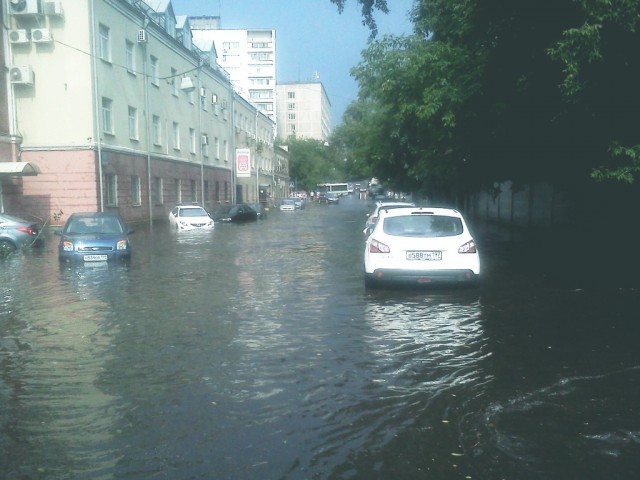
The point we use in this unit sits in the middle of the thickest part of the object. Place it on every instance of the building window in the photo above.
(176, 135)
(205, 196)
(104, 43)
(158, 193)
(291, 116)
(194, 191)
(291, 127)
(130, 56)
(225, 150)
(192, 140)
(291, 106)
(205, 145)
(155, 71)
(134, 134)
(136, 199)
(157, 130)
(111, 189)
(177, 190)
(291, 95)
(216, 191)
(174, 82)
(216, 145)
(107, 115)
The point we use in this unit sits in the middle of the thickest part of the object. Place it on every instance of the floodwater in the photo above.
(254, 352)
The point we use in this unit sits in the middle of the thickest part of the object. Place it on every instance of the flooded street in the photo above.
(254, 352)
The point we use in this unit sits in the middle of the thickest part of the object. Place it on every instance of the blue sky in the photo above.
(310, 37)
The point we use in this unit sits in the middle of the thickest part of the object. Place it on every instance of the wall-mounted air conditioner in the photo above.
(53, 7)
(142, 36)
(24, 7)
(21, 75)
(18, 36)
(41, 35)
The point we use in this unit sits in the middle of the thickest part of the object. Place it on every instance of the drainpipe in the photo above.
(96, 106)
(147, 128)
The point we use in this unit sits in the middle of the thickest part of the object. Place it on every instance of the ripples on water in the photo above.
(254, 352)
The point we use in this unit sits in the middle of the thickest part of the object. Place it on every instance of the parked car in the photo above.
(94, 237)
(287, 205)
(373, 216)
(332, 198)
(236, 213)
(420, 245)
(190, 217)
(260, 208)
(16, 232)
(322, 197)
(300, 203)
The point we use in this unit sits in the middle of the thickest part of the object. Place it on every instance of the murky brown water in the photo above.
(254, 352)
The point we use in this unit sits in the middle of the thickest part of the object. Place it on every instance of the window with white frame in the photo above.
(136, 197)
(107, 115)
(111, 189)
(130, 56)
(156, 130)
(216, 146)
(205, 145)
(157, 190)
(291, 106)
(291, 116)
(225, 149)
(192, 140)
(134, 133)
(104, 43)
(176, 135)
(174, 82)
(194, 191)
(155, 71)
(291, 95)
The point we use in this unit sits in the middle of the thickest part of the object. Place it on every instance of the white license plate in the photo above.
(95, 258)
(432, 255)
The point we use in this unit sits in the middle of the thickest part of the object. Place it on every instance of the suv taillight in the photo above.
(469, 247)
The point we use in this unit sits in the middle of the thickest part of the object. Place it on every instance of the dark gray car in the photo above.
(17, 233)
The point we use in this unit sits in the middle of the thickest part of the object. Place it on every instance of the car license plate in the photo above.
(427, 255)
(95, 258)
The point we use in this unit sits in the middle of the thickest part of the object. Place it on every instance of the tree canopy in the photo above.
(488, 90)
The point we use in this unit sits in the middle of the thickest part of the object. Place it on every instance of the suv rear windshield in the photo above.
(423, 226)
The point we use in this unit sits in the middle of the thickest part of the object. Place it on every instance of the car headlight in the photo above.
(67, 246)
(122, 245)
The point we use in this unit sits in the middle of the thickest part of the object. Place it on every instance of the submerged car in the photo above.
(190, 217)
(260, 209)
(332, 198)
(94, 237)
(420, 245)
(237, 213)
(287, 205)
(17, 233)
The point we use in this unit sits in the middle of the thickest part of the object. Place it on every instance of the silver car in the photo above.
(17, 233)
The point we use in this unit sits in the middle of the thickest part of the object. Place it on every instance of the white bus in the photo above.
(338, 188)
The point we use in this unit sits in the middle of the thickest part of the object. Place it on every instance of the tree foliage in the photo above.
(487, 90)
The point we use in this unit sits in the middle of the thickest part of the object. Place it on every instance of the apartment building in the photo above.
(249, 56)
(110, 105)
(304, 111)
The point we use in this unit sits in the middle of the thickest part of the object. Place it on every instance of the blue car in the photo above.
(94, 237)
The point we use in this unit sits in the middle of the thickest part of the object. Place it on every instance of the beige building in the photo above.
(304, 111)
(109, 105)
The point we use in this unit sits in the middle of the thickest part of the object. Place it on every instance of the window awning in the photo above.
(18, 169)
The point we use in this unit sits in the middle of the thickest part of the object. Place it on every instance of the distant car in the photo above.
(236, 213)
(322, 197)
(259, 207)
(190, 217)
(17, 233)
(373, 216)
(300, 203)
(94, 237)
(287, 205)
(420, 245)
(332, 198)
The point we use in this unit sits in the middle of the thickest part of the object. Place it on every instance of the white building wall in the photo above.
(304, 110)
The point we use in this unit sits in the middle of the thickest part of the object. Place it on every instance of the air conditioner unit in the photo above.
(205, 140)
(53, 7)
(142, 36)
(24, 7)
(21, 75)
(18, 36)
(41, 35)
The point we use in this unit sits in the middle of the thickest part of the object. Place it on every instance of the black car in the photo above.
(238, 213)
(260, 208)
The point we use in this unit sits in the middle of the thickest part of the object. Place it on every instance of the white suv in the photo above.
(420, 245)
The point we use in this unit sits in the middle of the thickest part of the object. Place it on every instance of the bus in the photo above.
(338, 188)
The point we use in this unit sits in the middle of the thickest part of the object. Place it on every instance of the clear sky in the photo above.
(311, 37)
